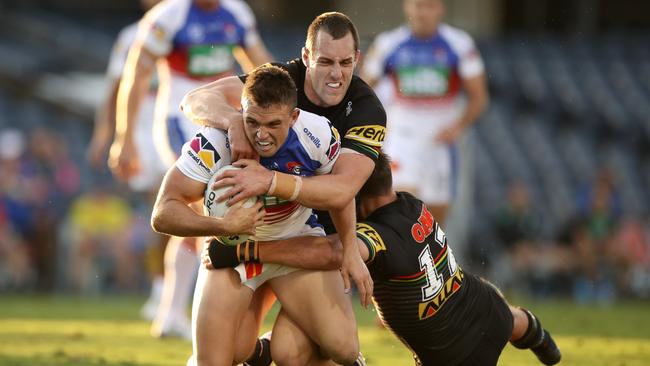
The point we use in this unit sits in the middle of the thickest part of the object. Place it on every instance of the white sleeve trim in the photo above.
(470, 62)
(160, 24)
(246, 18)
(374, 64)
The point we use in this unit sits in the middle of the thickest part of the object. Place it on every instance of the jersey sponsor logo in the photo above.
(372, 135)
(203, 153)
(209, 60)
(372, 236)
(430, 308)
(311, 136)
(425, 226)
(423, 81)
(335, 144)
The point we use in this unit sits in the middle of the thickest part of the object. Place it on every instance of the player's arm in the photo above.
(322, 192)
(369, 71)
(308, 252)
(477, 99)
(172, 214)
(133, 88)
(352, 266)
(104, 126)
(252, 56)
(218, 105)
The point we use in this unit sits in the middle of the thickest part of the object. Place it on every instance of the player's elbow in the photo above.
(158, 222)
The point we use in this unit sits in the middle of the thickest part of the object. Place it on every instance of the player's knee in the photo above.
(288, 356)
(243, 353)
(341, 350)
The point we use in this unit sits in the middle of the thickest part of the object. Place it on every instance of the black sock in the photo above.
(262, 354)
(534, 333)
(539, 341)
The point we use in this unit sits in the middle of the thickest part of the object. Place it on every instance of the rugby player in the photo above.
(434, 87)
(191, 42)
(444, 315)
(228, 307)
(326, 86)
(147, 181)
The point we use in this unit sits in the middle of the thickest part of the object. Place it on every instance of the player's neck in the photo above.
(370, 205)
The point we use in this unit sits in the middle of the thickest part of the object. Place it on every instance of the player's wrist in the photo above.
(285, 186)
(248, 251)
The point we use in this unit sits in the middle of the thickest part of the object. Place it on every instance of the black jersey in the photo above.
(360, 118)
(420, 291)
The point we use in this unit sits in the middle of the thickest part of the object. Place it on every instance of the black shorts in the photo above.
(488, 350)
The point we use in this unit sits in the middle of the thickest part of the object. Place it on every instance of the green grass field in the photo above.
(107, 331)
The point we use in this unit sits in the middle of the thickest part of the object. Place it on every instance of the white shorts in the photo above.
(152, 166)
(253, 275)
(420, 165)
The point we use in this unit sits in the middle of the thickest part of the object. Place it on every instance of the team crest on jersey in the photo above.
(204, 153)
(294, 167)
(372, 135)
(335, 143)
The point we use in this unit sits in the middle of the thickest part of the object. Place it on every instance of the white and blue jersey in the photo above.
(420, 83)
(424, 70)
(197, 45)
(311, 148)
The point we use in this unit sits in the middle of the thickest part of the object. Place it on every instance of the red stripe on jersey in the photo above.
(253, 269)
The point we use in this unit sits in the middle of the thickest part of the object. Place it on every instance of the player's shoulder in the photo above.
(455, 36)
(127, 34)
(169, 12)
(363, 100)
(313, 129)
(240, 10)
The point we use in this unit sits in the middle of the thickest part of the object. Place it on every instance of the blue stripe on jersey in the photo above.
(434, 51)
(209, 27)
(292, 158)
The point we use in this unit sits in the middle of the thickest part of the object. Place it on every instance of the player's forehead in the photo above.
(335, 49)
(267, 114)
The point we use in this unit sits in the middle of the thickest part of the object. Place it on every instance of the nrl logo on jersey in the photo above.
(348, 109)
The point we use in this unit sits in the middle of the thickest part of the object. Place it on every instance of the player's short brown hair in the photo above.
(380, 181)
(336, 24)
(270, 85)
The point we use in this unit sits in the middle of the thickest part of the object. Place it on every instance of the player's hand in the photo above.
(449, 135)
(123, 159)
(216, 255)
(243, 220)
(240, 147)
(353, 267)
(250, 181)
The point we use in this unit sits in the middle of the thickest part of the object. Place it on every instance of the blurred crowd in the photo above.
(56, 234)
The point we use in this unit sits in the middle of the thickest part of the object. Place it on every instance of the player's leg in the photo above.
(291, 346)
(438, 179)
(528, 333)
(220, 304)
(251, 350)
(181, 262)
(317, 303)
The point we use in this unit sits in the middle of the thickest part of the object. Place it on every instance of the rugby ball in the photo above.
(218, 209)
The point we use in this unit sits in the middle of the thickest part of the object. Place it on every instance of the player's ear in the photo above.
(294, 115)
(305, 56)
